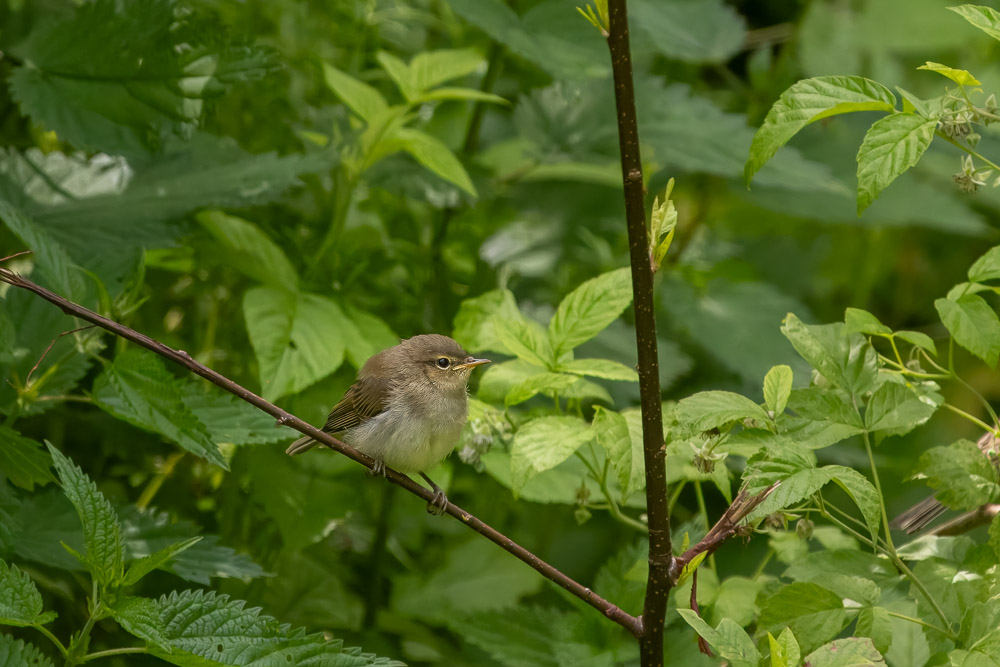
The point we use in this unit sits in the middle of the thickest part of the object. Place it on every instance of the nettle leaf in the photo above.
(203, 629)
(729, 639)
(152, 84)
(474, 323)
(806, 102)
(102, 533)
(895, 409)
(251, 251)
(141, 617)
(814, 613)
(140, 568)
(432, 153)
(961, 474)
(986, 19)
(361, 98)
(227, 418)
(139, 389)
(861, 321)
(20, 601)
(23, 461)
(614, 433)
(846, 360)
(784, 650)
(777, 388)
(848, 652)
(709, 410)
(600, 368)
(973, 325)
(891, 146)
(589, 309)
(524, 338)
(544, 443)
(986, 267)
(18, 653)
(298, 338)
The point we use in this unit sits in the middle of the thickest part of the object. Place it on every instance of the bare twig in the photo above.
(182, 358)
(660, 556)
(27, 380)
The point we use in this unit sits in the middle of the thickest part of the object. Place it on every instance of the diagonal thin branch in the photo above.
(613, 612)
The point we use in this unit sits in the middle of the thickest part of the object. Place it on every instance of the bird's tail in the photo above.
(303, 444)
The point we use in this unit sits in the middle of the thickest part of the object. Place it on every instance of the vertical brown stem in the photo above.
(660, 556)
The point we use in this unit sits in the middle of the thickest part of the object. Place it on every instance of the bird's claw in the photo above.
(378, 468)
(438, 504)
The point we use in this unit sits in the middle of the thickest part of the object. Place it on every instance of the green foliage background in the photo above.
(283, 189)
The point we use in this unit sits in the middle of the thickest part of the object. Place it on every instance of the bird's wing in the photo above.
(365, 399)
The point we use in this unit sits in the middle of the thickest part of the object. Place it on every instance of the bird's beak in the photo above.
(472, 362)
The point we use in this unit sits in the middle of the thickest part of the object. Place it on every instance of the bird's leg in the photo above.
(439, 502)
(378, 468)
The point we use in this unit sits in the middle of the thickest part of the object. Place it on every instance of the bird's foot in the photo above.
(439, 502)
(378, 468)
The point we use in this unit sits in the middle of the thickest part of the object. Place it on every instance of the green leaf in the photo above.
(846, 360)
(368, 336)
(892, 145)
(918, 339)
(251, 251)
(138, 388)
(784, 650)
(433, 154)
(986, 19)
(709, 410)
(729, 639)
(432, 68)
(699, 31)
(227, 418)
(549, 384)
(102, 533)
(298, 338)
(777, 388)
(861, 491)
(961, 474)
(589, 309)
(203, 629)
(987, 267)
(544, 443)
(849, 652)
(18, 653)
(140, 568)
(994, 535)
(141, 617)
(861, 321)
(973, 325)
(959, 76)
(524, 338)
(613, 433)
(896, 409)
(475, 577)
(23, 461)
(20, 601)
(876, 624)
(600, 368)
(470, 94)
(399, 72)
(736, 599)
(806, 102)
(361, 98)
(474, 323)
(815, 614)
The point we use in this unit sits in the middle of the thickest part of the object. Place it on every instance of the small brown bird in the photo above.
(406, 409)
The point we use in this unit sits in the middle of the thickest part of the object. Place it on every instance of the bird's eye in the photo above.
(443, 362)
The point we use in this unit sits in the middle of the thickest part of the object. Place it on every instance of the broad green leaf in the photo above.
(612, 432)
(524, 338)
(876, 624)
(709, 410)
(298, 338)
(818, 565)
(693, 31)
(499, 379)
(818, 404)
(777, 388)
(102, 532)
(729, 639)
(23, 461)
(550, 384)
(973, 325)
(251, 251)
(600, 368)
(227, 418)
(361, 98)
(960, 473)
(960, 76)
(399, 72)
(986, 19)
(475, 577)
(544, 443)
(366, 335)
(987, 267)
(896, 409)
(848, 652)
(994, 533)
(861, 491)
(138, 388)
(589, 309)
(432, 68)
(20, 601)
(808, 101)
(474, 323)
(471, 94)
(141, 617)
(18, 653)
(140, 568)
(918, 339)
(846, 360)
(736, 599)
(433, 154)
(861, 321)
(814, 613)
(784, 650)
(892, 145)
(60, 272)
(203, 629)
